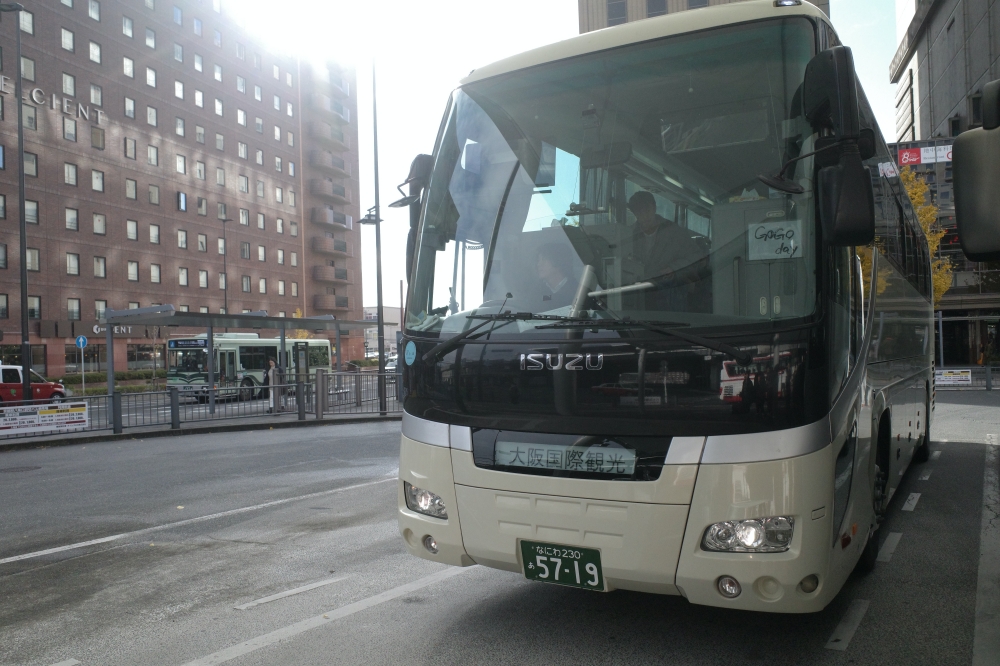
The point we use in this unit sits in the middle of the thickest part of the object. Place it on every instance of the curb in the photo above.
(107, 436)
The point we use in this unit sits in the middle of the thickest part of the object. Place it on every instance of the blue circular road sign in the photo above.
(81, 341)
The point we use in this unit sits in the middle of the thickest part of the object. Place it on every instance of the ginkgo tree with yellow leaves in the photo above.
(941, 268)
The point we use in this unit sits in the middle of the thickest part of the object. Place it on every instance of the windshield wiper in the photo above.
(742, 357)
(506, 317)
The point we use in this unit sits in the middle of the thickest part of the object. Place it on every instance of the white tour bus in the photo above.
(240, 361)
(612, 228)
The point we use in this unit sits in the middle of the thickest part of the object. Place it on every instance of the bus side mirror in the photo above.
(418, 179)
(846, 202)
(976, 164)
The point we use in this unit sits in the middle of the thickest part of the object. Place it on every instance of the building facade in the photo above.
(947, 51)
(169, 159)
(392, 318)
(597, 14)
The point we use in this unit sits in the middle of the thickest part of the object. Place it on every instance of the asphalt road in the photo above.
(280, 547)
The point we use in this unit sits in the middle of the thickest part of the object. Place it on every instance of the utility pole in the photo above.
(378, 261)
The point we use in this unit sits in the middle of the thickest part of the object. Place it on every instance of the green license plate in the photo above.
(563, 565)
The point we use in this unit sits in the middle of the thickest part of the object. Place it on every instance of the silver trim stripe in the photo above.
(764, 446)
(684, 451)
(427, 432)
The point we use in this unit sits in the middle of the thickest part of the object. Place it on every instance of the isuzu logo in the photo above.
(562, 361)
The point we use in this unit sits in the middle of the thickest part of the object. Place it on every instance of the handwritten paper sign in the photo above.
(769, 241)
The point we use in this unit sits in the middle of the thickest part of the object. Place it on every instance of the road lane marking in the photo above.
(303, 626)
(288, 593)
(935, 455)
(844, 632)
(986, 643)
(911, 502)
(68, 662)
(191, 521)
(926, 475)
(889, 547)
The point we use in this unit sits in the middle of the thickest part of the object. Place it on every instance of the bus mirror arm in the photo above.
(976, 164)
(418, 179)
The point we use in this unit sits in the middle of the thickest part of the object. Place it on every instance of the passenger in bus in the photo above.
(554, 267)
(669, 256)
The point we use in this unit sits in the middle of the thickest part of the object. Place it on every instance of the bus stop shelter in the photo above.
(167, 315)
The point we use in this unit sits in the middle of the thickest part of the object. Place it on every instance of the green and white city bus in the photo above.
(609, 228)
(240, 361)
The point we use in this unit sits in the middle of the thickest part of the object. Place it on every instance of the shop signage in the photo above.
(953, 377)
(66, 105)
(122, 331)
(62, 417)
(928, 155)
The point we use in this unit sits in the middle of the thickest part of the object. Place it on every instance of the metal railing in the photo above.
(324, 395)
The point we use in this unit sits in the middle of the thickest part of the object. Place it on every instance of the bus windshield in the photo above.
(187, 360)
(625, 183)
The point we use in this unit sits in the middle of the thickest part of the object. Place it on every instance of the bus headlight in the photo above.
(753, 535)
(424, 501)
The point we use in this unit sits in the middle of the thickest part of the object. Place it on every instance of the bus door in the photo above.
(301, 351)
(227, 366)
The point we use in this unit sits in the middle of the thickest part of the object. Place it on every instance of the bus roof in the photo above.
(645, 30)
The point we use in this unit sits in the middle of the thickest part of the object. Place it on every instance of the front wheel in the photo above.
(56, 398)
(246, 390)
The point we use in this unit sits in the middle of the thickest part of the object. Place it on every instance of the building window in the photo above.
(154, 234)
(242, 150)
(258, 93)
(150, 77)
(67, 39)
(260, 188)
(203, 279)
(277, 133)
(241, 117)
(33, 261)
(295, 289)
(182, 277)
(199, 99)
(182, 201)
(133, 271)
(69, 84)
(260, 221)
(3, 255)
(96, 95)
(293, 229)
(277, 103)
(241, 52)
(218, 73)
(202, 243)
(179, 127)
(130, 189)
(30, 212)
(102, 305)
(34, 302)
(95, 52)
(97, 180)
(197, 27)
(697, 4)
(30, 121)
(154, 195)
(150, 38)
(246, 284)
(73, 306)
(220, 176)
(127, 26)
(97, 138)
(182, 239)
(154, 273)
(199, 134)
(955, 125)
(277, 164)
(153, 155)
(72, 263)
(94, 10)
(69, 129)
(291, 138)
(294, 258)
(100, 267)
(288, 109)
(217, 38)
(976, 109)
(69, 174)
(262, 285)
(617, 13)
(218, 106)
(178, 15)
(72, 219)
(258, 124)
(202, 206)
(131, 230)
(27, 21)
(278, 195)
(261, 253)
(100, 224)
(279, 226)
(199, 63)
(129, 107)
(181, 164)
(291, 168)
(178, 53)
(199, 170)
(281, 257)
(220, 142)
(3, 206)
(151, 116)
(27, 66)
(241, 84)
(179, 89)
(656, 7)
(222, 245)
(244, 217)
(281, 287)
(244, 250)
(244, 184)
(288, 79)
(31, 165)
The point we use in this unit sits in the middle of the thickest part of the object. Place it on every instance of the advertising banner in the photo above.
(953, 377)
(27, 419)
(928, 155)
(908, 156)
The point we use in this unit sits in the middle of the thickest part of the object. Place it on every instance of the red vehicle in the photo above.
(41, 389)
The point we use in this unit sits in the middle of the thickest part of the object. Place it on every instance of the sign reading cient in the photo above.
(66, 105)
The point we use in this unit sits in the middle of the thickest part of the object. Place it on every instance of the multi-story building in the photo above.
(948, 50)
(391, 316)
(597, 14)
(169, 158)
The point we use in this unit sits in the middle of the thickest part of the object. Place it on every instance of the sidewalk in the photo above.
(269, 422)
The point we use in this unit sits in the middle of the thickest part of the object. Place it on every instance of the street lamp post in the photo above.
(25, 346)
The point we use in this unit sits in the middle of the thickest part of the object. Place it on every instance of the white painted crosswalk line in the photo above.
(926, 475)
(288, 593)
(911, 502)
(889, 547)
(68, 662)
(844, 632)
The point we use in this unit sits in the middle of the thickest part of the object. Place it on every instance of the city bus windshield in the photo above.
(187, 360)
(625, 183)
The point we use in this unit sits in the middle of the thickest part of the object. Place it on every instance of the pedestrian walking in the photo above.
(274, 377)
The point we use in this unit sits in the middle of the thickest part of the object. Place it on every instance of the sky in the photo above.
(421, 50)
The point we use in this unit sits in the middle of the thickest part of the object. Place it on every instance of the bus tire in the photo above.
(246, 390)
(923, 452)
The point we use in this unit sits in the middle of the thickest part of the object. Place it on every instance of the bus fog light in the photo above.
(424, 501)
(430, 544)
(752, 535)
(729, 587)
(809, 583)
